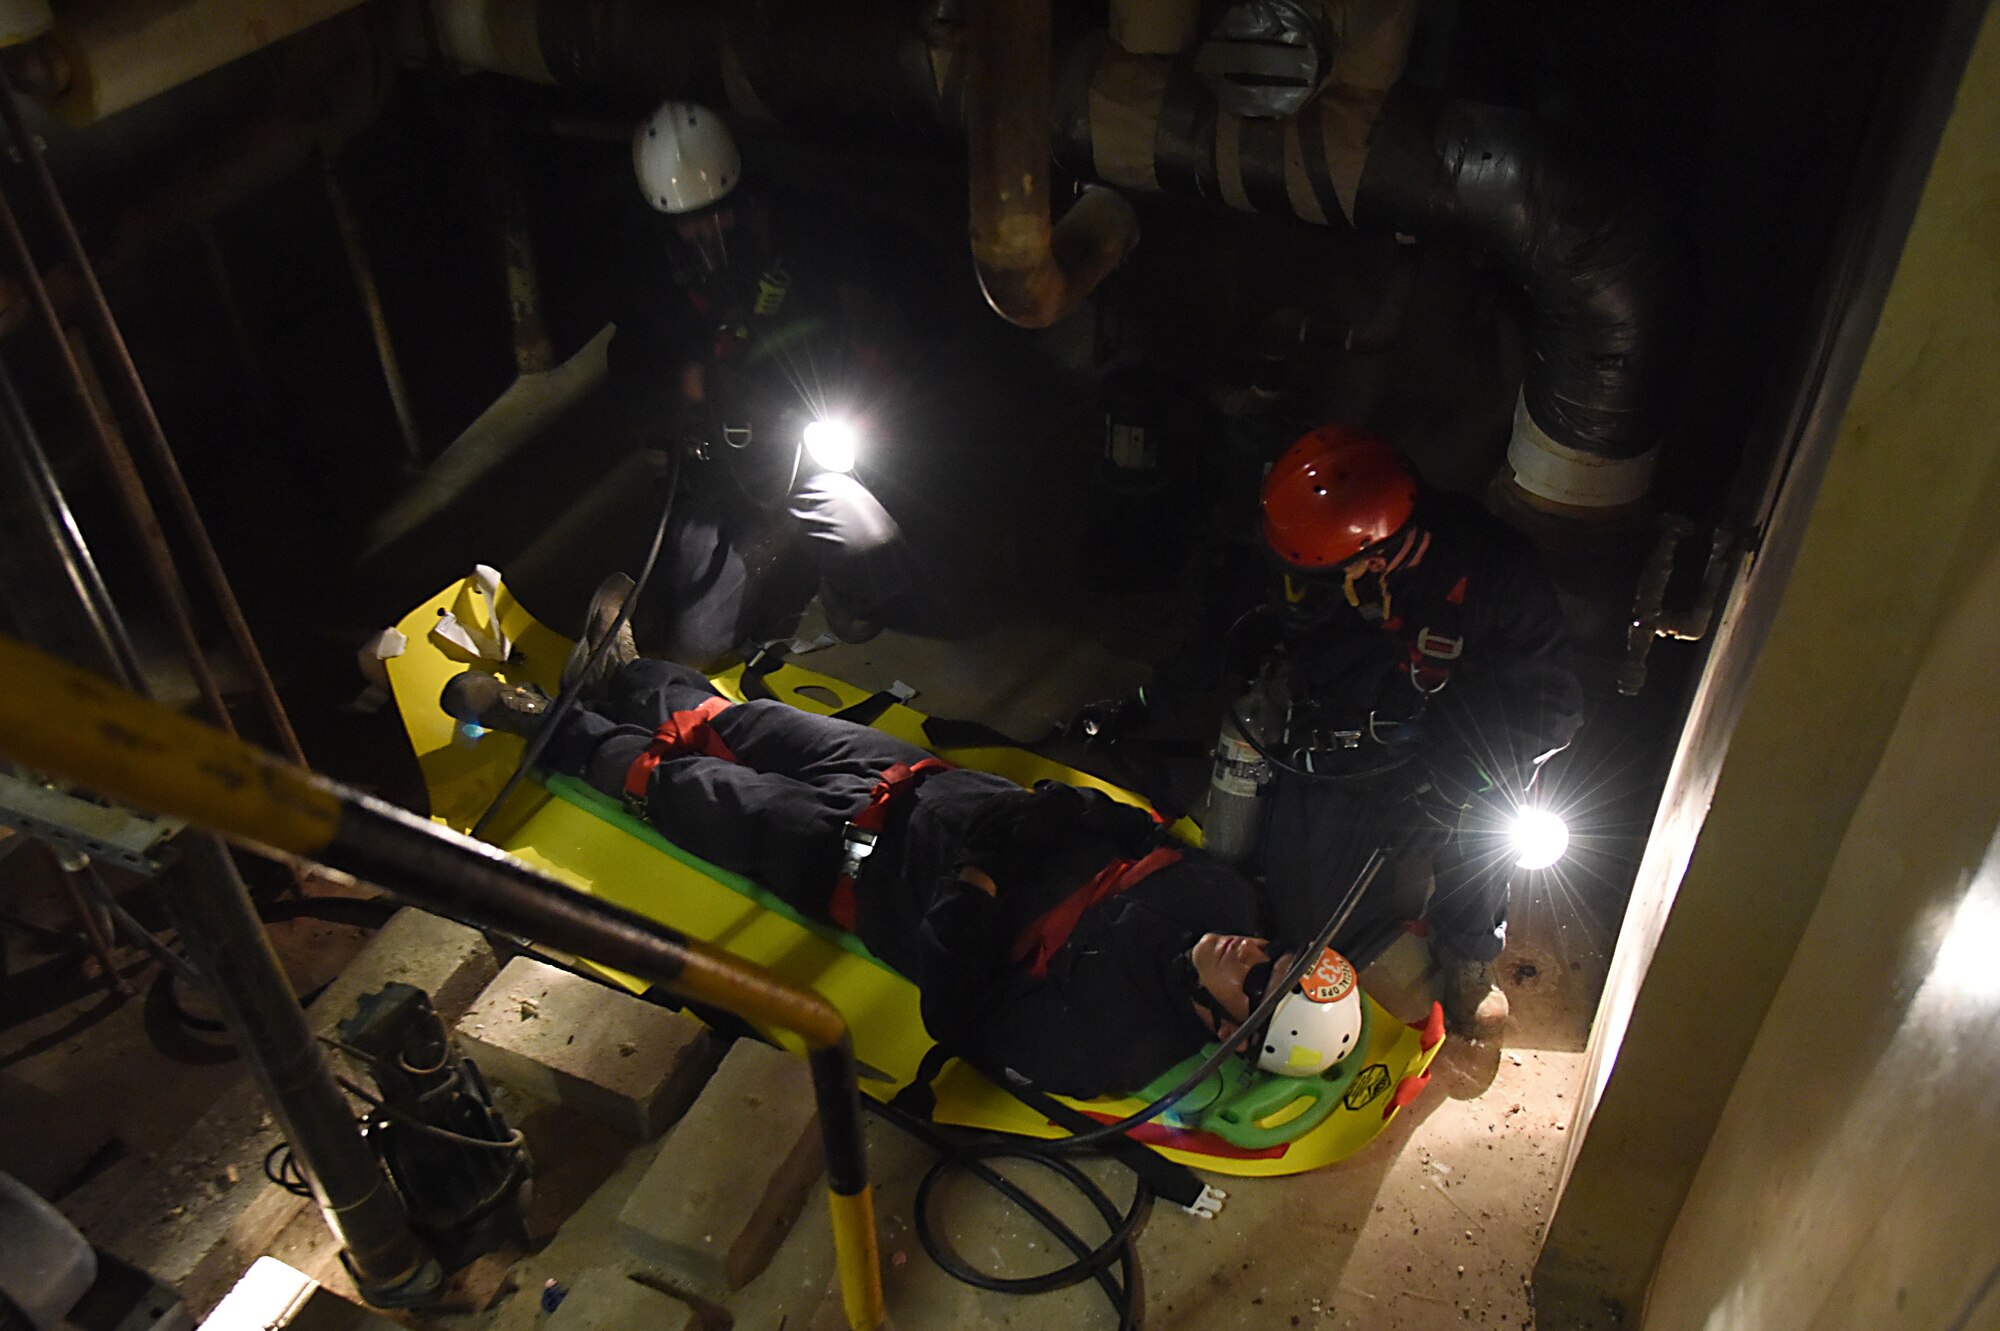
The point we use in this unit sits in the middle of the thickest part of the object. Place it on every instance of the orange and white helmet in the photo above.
(1317, 1024)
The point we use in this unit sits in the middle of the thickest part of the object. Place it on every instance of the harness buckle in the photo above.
(856, 845)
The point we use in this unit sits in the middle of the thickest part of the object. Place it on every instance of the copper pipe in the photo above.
(1033, 273)
(86, 912)
(65, 537)
(118, 465)
(99, 309)
(371, 305)
(533, 352)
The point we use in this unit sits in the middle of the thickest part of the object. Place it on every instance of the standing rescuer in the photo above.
(739, 345)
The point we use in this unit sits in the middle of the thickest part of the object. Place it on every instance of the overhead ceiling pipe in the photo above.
(888, 66)
(1606, 279)
(103, 57)
(1155, 27)
(1150, 123)
(1607, 282)
(1033, 273)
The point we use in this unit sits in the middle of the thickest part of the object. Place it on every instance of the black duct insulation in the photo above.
(1609, 284)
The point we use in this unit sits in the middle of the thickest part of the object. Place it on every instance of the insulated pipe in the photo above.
(107, 56)
(1144, 123)
(67, 722)
(1033, 274)
(886, 65)
(1608, 284)
(1154, 27)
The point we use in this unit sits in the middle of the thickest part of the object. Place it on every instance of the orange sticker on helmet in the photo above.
(1330, 981)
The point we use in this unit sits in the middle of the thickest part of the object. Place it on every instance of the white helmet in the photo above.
(1317, 1024)
(685, 157)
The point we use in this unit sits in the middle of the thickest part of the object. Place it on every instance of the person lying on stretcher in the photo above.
(1053, 932)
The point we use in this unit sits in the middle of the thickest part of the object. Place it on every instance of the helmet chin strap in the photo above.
(1256, 983)
(1379, 566)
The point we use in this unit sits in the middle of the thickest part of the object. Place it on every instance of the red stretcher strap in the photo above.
(895, 782)
(683, 733)
(1044, 938)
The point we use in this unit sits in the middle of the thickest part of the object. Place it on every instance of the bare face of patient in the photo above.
(1222, 964)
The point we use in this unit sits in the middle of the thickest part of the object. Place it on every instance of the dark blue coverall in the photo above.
(1112, 1010)
(1473, 656)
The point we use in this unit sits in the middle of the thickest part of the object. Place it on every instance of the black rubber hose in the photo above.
(1609, 283)
(973, 1155)
(1091, 1263)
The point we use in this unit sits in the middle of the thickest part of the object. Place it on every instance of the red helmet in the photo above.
(1334, 493)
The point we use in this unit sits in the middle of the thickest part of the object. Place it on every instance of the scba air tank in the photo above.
(1235, 788)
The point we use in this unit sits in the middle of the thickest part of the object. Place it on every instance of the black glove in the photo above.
(1015, 833)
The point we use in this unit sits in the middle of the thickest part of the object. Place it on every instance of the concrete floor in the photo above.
(1436, 1224)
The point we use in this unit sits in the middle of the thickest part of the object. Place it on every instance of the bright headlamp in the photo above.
(1538, 837)
(832, 443)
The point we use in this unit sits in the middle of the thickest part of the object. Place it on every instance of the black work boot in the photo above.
(1475, 1006)
(605, 605)
(482, 700)
(848, 624)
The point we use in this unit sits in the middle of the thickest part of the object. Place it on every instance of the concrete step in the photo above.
(572, 1041)
(733, 1174)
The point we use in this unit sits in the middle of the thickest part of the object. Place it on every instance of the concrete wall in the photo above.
(1871, 621)
(1851, 1181)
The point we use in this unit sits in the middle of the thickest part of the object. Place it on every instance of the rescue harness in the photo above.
(692, 732)
(857, 839)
